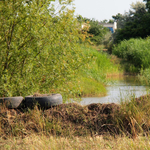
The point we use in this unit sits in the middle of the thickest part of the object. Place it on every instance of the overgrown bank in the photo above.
(135, 55)
(46, 57)
(92, 77)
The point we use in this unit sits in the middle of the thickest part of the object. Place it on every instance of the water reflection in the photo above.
(123, 89)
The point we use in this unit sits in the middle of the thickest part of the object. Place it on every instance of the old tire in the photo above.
(43, 101)
(11, 102)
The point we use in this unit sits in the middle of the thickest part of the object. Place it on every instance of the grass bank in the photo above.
(92, 77)
(135, 55)
(135, 52)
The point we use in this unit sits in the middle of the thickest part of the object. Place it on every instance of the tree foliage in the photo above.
(98, 32)
(39, 50)
(133, 24)
(134, 51)
(147, 5)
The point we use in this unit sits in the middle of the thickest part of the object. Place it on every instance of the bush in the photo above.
(134, 51)
(39, 50)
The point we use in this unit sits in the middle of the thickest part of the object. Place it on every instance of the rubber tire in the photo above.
(11, 102)
(44, 101)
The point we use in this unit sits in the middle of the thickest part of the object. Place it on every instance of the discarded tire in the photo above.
(11, 102)
(43, 101)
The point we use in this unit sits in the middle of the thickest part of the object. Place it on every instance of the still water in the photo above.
(120, 90)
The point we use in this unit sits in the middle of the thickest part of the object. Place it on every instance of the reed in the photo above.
(144, 76)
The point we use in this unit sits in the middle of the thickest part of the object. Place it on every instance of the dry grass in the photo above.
(72, 126)
(41, 142)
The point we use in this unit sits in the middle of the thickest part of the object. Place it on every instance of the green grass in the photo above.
(92, 77)
(144, 76)
(91, 87)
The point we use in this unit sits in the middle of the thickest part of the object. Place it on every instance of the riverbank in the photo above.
(92, 78)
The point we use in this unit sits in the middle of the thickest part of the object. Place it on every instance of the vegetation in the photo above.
(69, 122)
(133, 24)
(135, 52)
(42, 53)
(47, 57)
(144, 76)
(92, 76)
(56, 143)
(39, 50)
(131, 40)
(97, 33)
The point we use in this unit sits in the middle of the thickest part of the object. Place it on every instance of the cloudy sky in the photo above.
(102, 9)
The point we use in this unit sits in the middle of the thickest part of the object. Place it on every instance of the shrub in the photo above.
(134, 51)
(39, 49)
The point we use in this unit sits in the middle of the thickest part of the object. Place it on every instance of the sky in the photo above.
(102, 9)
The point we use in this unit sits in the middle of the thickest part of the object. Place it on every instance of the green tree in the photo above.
(39, 50)
(133, 24)
(98, 32)
(147, 5)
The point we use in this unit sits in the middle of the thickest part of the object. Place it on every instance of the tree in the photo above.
(98, 32)
(132, 24)
(39, 50)
(147, 5)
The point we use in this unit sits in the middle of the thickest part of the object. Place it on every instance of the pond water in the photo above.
(122, 89)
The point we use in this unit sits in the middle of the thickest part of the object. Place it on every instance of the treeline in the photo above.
(132, 40)
(133, 24)
(97, 33)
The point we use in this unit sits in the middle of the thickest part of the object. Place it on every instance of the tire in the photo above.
(11, 102)
(43, 101)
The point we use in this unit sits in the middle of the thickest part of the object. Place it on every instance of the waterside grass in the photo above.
(92, 78)
(144, 76)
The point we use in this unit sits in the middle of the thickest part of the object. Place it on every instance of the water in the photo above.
(123, 89)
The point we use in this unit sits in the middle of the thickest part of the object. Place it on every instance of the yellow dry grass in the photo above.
(41, 142)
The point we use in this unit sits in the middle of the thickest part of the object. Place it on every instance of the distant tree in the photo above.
(117, 17)
(132, 24)
(80, 18)
(104, 21)
(98, 32)
(147, 5)
(111, 21)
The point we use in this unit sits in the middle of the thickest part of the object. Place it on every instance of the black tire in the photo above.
(11, 102)
(43, 101)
